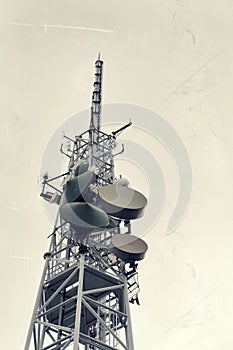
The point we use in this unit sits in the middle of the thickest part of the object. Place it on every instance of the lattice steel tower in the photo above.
(90, 272)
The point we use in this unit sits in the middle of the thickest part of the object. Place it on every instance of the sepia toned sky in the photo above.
(171, 57)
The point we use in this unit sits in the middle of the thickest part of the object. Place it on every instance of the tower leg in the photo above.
(79, 303)
(37, 303)
(129, 331)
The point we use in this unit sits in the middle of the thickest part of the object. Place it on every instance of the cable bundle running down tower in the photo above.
(90, 272)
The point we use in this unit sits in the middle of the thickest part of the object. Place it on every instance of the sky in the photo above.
(170, 57)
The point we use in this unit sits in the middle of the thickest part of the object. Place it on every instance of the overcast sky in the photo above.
(172, 57)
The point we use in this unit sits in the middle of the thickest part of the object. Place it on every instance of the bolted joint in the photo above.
(83, 249)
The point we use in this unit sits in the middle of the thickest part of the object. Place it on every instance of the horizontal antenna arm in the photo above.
(115, 133)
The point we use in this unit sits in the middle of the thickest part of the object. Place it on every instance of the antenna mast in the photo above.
(97, 96)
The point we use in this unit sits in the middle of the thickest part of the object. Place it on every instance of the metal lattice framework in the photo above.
(85, 289)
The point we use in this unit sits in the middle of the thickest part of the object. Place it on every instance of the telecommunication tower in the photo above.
(90, 274)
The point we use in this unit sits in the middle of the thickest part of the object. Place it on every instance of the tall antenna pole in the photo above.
(95, 124)
(97, 96)
(90, 272)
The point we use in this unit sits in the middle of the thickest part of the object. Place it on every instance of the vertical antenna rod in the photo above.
(97, 96)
